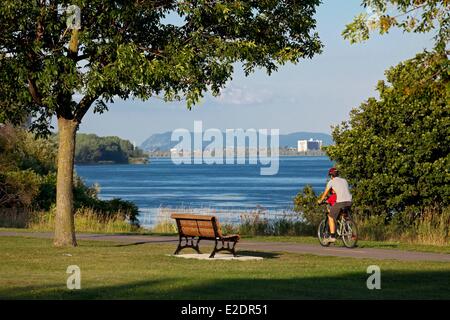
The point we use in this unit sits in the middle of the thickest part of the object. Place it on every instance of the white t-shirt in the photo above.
(340, 186)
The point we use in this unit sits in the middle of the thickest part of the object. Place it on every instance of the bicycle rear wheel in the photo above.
(323, 233)
(349, 233)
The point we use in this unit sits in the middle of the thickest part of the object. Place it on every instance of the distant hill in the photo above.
(161, 141)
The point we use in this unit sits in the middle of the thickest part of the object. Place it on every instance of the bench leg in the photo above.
(189, 243)
(223, 248)
(179, 247)
(213, 253)
(233, 251)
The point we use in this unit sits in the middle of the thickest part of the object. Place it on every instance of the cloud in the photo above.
(237, 95)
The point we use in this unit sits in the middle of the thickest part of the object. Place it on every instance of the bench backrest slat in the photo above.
(193, 225)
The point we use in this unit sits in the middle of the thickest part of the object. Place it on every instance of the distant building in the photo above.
(306, 145)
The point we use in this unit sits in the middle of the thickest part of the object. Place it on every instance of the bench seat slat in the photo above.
(195, 232)
(191, 217)
(199, 224)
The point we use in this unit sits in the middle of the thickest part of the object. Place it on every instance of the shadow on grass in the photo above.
(265, 254)
(145, 242)
(130, 244)
(394, 285)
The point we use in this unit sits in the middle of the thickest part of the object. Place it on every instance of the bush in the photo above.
(86, 197)
(47, 192)
(305, 203)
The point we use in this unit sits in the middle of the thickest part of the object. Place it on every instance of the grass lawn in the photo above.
(32, 268)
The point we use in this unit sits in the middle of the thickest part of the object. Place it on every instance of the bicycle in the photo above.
(345, 229)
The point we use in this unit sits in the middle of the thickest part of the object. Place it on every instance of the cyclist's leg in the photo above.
(331, 224)
(334, 212)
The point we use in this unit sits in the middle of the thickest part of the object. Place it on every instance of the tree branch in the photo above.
(83, 106)
(32, 88)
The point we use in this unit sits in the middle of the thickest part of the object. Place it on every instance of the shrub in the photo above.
(305, 203)
(18, 188)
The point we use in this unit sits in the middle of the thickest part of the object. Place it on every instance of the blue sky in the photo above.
(310, 96)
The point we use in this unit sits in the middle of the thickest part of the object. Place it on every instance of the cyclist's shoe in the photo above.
(330, 240)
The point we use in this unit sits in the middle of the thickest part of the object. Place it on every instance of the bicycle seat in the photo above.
(345, 212)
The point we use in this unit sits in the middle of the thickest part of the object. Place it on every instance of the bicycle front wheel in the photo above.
(349, 234)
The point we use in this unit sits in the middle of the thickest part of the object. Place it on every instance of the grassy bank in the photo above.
(86, 220)
(33, 269)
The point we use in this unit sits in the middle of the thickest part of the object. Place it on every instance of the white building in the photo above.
(306, 145)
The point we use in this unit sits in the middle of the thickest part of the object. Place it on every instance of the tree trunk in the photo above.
(64, 220)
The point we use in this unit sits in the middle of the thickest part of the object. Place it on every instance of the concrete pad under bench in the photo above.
(218, 256)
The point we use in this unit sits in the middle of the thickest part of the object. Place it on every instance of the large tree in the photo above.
(395, 150)
(130, 49)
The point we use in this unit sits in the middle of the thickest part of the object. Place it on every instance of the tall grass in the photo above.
(165, 226)
(432, 228)
(86, 220)
(251, 223)
(257, 225)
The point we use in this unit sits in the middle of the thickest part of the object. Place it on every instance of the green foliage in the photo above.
(86, 197)
(18, 187)
(418, 16)
(305, 203)
(91, 148)
(25, 165)
(395, 150)
(45, 199)
(129, 49)
(28, 177)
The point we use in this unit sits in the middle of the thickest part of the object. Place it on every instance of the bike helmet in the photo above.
(333, 172)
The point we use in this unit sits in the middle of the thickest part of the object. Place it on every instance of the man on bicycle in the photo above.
(344, 199)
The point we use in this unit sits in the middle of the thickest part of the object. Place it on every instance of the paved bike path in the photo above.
(243, 245)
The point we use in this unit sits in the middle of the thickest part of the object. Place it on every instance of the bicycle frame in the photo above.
(339, 223)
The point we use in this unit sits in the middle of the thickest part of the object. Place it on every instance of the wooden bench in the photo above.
(192, 228)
